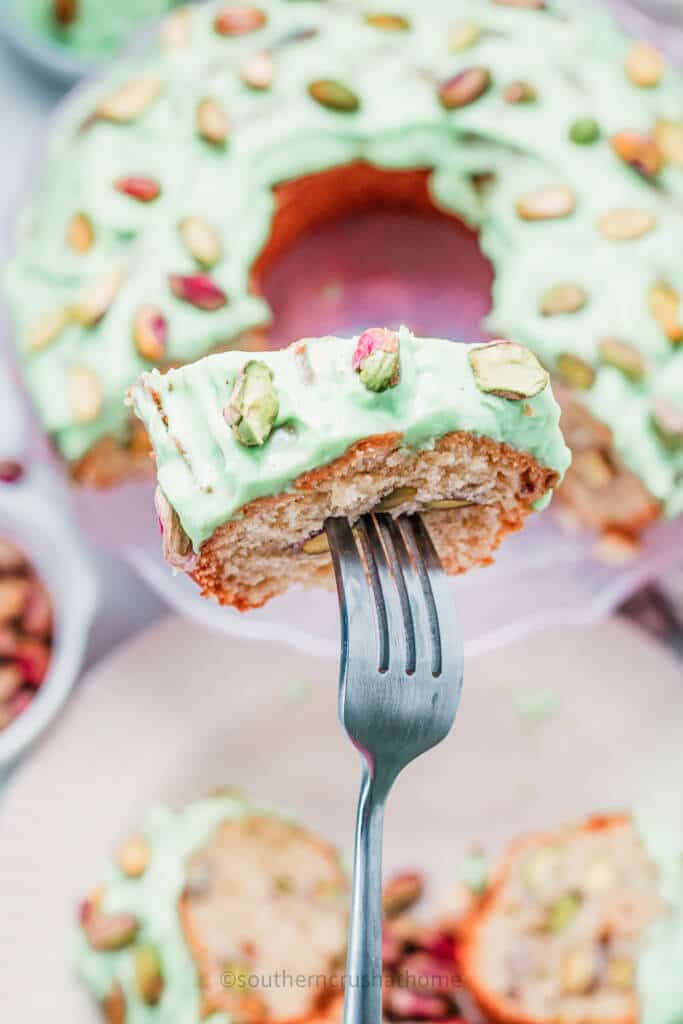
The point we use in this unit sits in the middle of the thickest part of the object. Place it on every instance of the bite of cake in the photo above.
(254, 454)
(212, 910)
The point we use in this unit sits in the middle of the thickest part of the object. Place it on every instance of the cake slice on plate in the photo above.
(558, 935)
(254, 453)
(208, 913)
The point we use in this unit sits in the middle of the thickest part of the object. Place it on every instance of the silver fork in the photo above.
(400, 682)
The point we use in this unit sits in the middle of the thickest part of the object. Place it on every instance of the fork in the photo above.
(399, 688)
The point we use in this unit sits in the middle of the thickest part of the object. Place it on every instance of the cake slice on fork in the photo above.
(255, 452)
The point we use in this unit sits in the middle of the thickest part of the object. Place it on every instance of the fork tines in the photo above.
(389, 568)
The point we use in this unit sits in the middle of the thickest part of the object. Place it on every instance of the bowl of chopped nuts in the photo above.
(47, 601)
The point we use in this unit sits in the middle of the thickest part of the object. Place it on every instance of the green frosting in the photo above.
(101, 26)
(572, 56)
(153, 898)
(207, 475)
(660, 979)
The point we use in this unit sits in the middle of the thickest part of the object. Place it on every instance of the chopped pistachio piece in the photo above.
(149, 979)
(258, 71)
(463, 35)
(212, 122)
(669, 139)
(507, 370)
(396, 498)
(665, 306)
(238, 20)
(624, 357)
(562, 298)
(644, 65)
(131, 101)
(253, 406)
(108, 933)
(201, 241)
(47, 329)
(318, 544)
(548, 203)
(584, 131)
(80, 233)
(563, 911)
(667, 419)
(626, 223)
(520, 92)
(150, 333)
(464, 88)
(85, 394)
(575, 371)
(578, 970)
(334, 95)
(96, 298)
(377, 359)
(638, 151)
(388, 22)
(134, 856)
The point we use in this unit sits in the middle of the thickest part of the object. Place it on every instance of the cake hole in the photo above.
(359, 246)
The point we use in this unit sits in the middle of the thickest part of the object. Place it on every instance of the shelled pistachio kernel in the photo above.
(507, 370)
(640, 152)
(318, 544)
(644, 65)
(65, 11)
(212, 122)
(547, 203)
(624, 357)
(575, 371)
(150, 333)
(578, 970)
(198, 290)
(334, 95)
(84, 392)
(97, 297)
(114, 1005)
(176, 29)
(665, 306)
(109, 933)
(258, 70)
(626, 224)
(253, 406)
(149, 978)
(399, 496)
(139, 187)
(377, 358)
(388, 22)
(464, 88)
(238, 20)
(621, 973)
(563, 911)
(562, 298)
(80, 233)
(131, 101)
(667, 419)
(669, 139)
(463, 35)
(520, 92)
(201, 241)
(47, 328)
(134, 856)
(584, 131)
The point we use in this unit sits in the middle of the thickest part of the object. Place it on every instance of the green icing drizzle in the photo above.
(173, 838)
(569, 52)
(207, 475)
(101, 27)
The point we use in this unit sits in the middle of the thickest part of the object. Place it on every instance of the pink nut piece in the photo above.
(198, 290)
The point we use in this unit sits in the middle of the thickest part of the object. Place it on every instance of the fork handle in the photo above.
(363, 999)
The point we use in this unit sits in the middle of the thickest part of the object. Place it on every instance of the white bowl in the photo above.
(35, 514)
